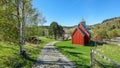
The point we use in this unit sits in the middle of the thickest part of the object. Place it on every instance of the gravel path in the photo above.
(52, 58)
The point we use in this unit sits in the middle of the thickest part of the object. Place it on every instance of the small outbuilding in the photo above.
(81, 34)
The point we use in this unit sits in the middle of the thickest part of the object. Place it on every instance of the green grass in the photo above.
(110, 51)
(10, 57)
(79, 55)
(118, 31)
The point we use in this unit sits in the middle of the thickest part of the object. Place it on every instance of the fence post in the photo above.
(118, 66)
(91, 58)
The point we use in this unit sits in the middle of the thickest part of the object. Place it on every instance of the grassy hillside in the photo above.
(107, 29)
(111, 52)
(10, 57)
(79, 55)
(112, 23)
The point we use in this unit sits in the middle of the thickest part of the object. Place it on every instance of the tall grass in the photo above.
(110, 51)
(10, 57)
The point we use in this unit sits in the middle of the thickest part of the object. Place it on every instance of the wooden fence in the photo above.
(94, 61)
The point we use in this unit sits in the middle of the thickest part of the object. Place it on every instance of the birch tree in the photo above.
(14, 18)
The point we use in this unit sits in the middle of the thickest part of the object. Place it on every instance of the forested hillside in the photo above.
(109, 28)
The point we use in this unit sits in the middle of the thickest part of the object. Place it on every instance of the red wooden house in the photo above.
(81, 35)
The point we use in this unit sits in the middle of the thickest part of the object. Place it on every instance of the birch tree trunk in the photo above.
(21, 24)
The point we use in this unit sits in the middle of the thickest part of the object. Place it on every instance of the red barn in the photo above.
(81, 35)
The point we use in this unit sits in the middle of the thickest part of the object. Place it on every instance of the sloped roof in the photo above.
(77, 28)
(86, 29)
(80, 31)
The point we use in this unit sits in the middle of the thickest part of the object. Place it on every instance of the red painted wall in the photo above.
(77, 38)
(87, 36)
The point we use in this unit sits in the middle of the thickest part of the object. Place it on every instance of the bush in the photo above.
(34, 40)
(112, 34)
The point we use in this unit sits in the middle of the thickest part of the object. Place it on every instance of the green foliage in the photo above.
(79, 55)
(118, 31)
(8, 23)
(61, 31)
(43, 31)
(55, 30)
(107, 29)
(102, 33)
(112, 34)
(14, 12)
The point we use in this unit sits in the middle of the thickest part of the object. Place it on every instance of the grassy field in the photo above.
(110, 51)
(10, 57)
(118, 31)
(79, 55)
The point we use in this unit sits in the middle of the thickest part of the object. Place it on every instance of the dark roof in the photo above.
(86, 29)
(80, 31)
(83, 34)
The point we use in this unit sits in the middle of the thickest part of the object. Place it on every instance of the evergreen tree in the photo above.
(55, 30)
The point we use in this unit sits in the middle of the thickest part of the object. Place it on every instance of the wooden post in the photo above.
(91, 58)
(118, 66)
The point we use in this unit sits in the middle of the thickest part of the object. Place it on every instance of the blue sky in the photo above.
(70, 12)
